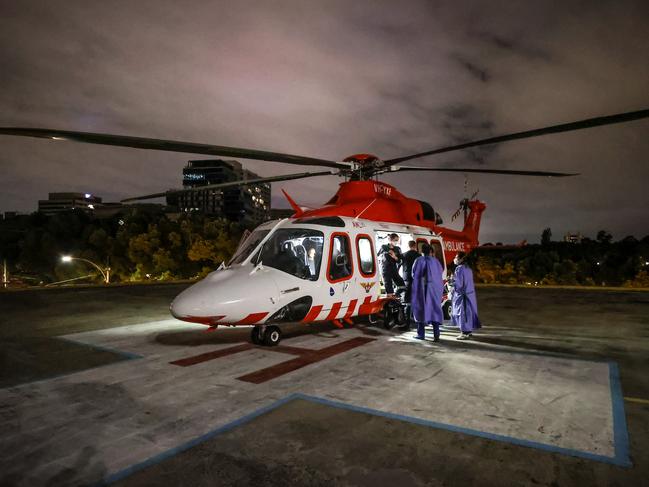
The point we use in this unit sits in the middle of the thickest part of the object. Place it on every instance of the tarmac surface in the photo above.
(102, 386)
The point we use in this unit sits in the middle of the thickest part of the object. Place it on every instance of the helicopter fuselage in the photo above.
(320, 264)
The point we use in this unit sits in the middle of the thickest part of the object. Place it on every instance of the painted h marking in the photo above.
(311, 357)
(305, 356)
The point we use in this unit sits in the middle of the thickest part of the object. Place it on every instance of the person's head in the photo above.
(425, 249)
(412, 245)
(459, 258)
(394, 239)
(311, 253)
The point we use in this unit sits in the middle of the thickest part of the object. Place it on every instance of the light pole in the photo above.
(105, 273)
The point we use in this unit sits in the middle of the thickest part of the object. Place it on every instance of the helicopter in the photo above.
(321, 263)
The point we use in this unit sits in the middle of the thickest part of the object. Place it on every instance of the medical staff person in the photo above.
(464, 305)
(427, 290)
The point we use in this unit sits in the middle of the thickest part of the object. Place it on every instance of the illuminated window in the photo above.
(365, 255)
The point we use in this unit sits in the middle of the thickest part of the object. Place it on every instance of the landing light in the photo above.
(66, 258)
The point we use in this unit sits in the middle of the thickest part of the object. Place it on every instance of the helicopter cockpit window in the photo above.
(295, 251)
(248, 245)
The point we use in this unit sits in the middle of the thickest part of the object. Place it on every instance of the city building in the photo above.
(573, 237)
(245, 204)
(60, 202)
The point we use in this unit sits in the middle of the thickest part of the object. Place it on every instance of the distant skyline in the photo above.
(329, 79)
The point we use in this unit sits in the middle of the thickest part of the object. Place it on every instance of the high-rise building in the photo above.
(59, 202)
(245, 204)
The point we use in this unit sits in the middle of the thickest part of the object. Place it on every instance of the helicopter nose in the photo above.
(229, 296)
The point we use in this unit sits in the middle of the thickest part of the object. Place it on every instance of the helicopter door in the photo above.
(340, 270)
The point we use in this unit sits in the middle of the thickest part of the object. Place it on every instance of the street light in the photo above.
(105, 273)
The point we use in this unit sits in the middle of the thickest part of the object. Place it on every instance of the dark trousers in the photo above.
(390, 276)
(421, 329)
(406, 299)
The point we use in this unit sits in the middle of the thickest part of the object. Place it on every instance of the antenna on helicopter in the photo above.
(464, 202)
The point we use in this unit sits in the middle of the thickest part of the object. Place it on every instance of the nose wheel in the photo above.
(266, 335)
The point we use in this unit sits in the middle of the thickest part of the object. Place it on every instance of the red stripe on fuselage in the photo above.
(335, 309)
(350, 308)
(368, 307)
(313, 314)
(251, 319)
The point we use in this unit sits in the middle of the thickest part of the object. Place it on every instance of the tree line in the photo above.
(141, 244)
(590, 262)
(136, 245)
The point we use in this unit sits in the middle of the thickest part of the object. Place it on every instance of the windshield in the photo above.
(248, 245)
(295, 251)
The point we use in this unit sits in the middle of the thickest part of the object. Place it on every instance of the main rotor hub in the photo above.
(363, 166)
(364, 160)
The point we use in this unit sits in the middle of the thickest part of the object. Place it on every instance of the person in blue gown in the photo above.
(427, 289)
(464, 307)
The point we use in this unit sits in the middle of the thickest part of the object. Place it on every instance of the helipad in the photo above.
(179, 386)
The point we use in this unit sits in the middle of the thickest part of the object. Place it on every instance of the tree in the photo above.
(604, 237)
(546, 237)
(640, 280)
(486, 271)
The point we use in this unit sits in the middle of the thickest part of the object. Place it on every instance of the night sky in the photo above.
(329, 79)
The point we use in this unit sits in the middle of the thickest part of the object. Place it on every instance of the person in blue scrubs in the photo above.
(464, 307)
(427, 290)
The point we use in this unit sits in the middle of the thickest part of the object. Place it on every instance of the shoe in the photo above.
(463, 336)
(417, 337)
(436, 339)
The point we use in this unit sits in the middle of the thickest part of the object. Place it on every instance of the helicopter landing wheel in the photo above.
(272, 336)
(393, 315)
(256, 335)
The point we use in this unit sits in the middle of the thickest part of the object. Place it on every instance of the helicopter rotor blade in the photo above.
(169, 145)
(230, 184)
(554, 129)
(509, 172)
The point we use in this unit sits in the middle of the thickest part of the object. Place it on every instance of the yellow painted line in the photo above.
(635, 399)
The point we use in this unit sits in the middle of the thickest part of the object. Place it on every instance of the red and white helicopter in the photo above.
(320, 264)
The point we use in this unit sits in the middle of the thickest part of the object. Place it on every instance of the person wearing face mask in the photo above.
(391, 259)
(464, 305)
